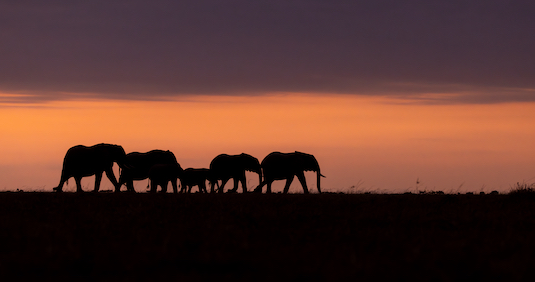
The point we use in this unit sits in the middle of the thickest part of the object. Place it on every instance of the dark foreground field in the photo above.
(139, 237)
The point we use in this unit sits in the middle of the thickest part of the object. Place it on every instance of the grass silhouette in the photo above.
(244, 237)
(522, 188)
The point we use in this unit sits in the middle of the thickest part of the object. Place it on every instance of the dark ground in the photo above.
(139, 237)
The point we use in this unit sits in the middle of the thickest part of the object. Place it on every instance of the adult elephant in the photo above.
(224, 167)
(279, 166)
(81, 161)
(141, 163)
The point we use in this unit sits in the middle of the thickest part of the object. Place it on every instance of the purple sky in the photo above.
(146, 49)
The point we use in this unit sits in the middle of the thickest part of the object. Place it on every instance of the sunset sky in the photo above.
(390, 96)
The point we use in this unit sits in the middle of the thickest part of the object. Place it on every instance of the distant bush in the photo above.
(522, 188)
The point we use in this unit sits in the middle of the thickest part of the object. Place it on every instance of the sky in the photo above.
(390, 96)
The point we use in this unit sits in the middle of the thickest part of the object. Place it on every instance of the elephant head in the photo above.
(279, 166)
(306, 162)
(252, 164)
(118, 155)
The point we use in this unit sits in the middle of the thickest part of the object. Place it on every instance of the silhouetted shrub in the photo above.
(522, 188)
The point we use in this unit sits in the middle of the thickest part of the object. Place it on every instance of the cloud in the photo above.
(142, 49)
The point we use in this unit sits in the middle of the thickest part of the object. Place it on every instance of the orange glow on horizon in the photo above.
(385, 145)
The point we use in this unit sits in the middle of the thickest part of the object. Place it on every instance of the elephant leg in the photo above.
(182, 186)
(288, 183)
(258, 188)
(98, 179)
(223, 182)
(237, 181)
(243, 183)
(153, 186)
(130, 186)
(202, 187)
(268, 187)
(212, 185)
(164, 186)
(175, 186)
(302, 180)
(113, 180)
(235, 188)
(78, 181)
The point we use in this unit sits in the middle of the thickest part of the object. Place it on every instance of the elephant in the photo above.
(161, 174)
(278, 166)
(81, 161)
(224, 167)
(141, 163)
(195, 177)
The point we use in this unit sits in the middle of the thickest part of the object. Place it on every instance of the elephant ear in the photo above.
(250, 163)
(307, 162)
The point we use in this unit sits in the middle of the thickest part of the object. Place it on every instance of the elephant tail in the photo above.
(318, 181)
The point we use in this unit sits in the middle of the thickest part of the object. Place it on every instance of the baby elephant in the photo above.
(161, 174)
(195, 177)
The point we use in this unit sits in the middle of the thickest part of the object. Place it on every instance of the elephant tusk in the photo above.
(322, 175)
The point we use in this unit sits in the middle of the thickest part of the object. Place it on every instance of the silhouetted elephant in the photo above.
(161, 174)
(224, 167)
(278, 166)
(81, 161)
(195, 177)
(141, 163)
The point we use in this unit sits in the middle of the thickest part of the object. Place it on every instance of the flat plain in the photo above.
(247, 237)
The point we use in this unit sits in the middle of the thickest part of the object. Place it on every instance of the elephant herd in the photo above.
(161, 167)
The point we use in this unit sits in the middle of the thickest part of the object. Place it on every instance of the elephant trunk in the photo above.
(119, 184)
(259, 176)
(123, 163)
(319, 175)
